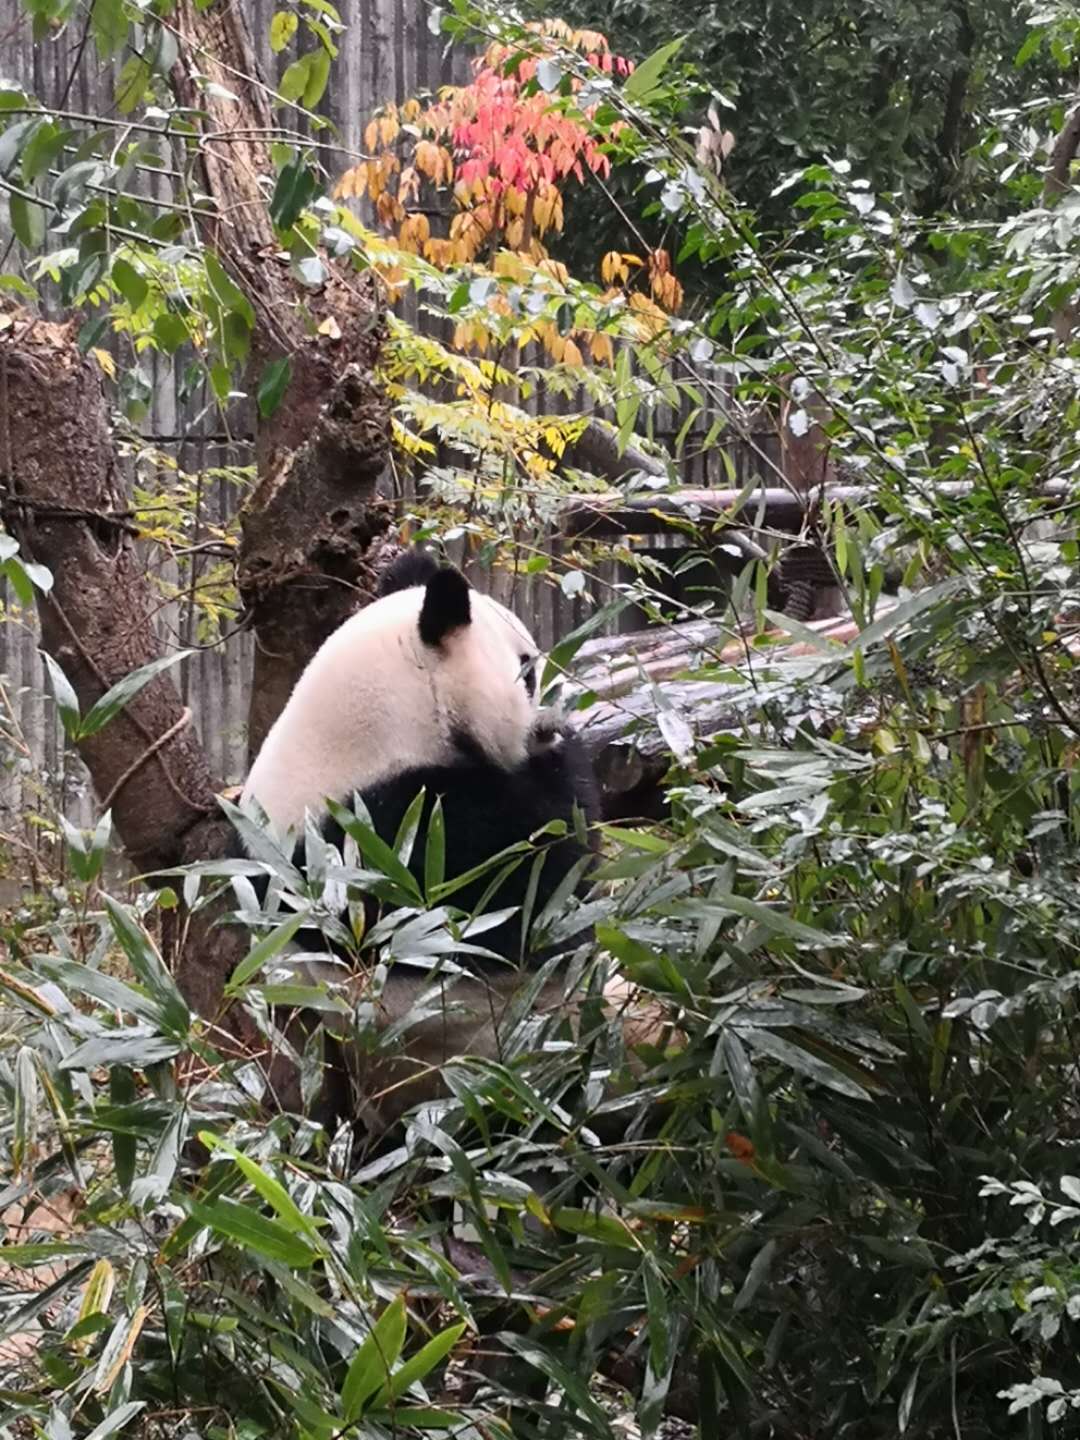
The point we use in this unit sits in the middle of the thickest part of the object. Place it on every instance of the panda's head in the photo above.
(430, 673)
(481, 662)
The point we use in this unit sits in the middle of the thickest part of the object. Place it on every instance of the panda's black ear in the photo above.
(412, 567)
(446, 605)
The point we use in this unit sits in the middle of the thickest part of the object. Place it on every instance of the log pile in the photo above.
(640, 678)
(614, 514)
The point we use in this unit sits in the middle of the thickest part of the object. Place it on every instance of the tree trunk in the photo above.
(1056, 183)
(946, 161)
(804, 444)
(308, 551)
(314, 533)
(64, 502)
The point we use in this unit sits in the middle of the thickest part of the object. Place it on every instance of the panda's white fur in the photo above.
(379, 701)
(376, 700)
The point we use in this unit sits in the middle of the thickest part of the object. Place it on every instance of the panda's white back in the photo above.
(375, 700)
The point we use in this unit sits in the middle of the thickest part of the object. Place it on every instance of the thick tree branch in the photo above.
(805, 446)
(310, 532)
(1056, 180)
(629, 751)
(947, 158)
(771, 507)
(312, 543)
(597, 449)
(56, 454)
(216, 46)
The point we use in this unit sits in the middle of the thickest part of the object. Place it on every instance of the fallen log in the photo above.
(771, 507)
(640, 678)
(612, 665)
(597, 449)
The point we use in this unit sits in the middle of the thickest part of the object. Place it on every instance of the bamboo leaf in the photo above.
(802, 1061)
(646, 78)
(420, 1364)
(269, 946)
(371, 1365)
(120, 695)
(271, 1190)
(249, 1230)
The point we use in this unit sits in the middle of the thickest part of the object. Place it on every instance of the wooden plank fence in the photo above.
(387, 53)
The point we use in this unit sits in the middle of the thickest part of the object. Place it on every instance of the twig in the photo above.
(181, 724)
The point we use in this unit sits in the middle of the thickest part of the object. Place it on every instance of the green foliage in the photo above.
(115, 699)
(902, 91)
(833, 1191)
(187, 1301)
(871, 978)
(24, 576)
(98, 237)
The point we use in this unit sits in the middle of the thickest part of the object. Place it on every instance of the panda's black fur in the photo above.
(415, 566)
(486, 810)
(487, 807)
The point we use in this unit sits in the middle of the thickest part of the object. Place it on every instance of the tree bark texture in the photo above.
(308, 551)
(313, 533)
(805, 451)
(597, 449)
(314, 538)
(1062, 155)
(63, 500)
(946, 161)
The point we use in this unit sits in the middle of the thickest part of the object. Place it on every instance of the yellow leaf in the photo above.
(920, 747)
(428, 160)
(410, 443)
(601, 349)
(353, 182)
(104, 1383)
(107, 363)
(98, 1291)
(509, 265)
(556, 269)
(388, 209)
(885, 742)
(388, 129)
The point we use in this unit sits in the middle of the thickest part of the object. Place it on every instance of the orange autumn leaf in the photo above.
(496, 154)
(740, 1146)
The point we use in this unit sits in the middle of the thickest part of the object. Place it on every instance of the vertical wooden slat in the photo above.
(386, 53)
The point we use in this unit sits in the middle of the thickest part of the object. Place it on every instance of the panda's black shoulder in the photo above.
(412, 567)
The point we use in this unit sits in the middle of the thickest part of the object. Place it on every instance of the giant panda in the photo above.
(433, 687)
